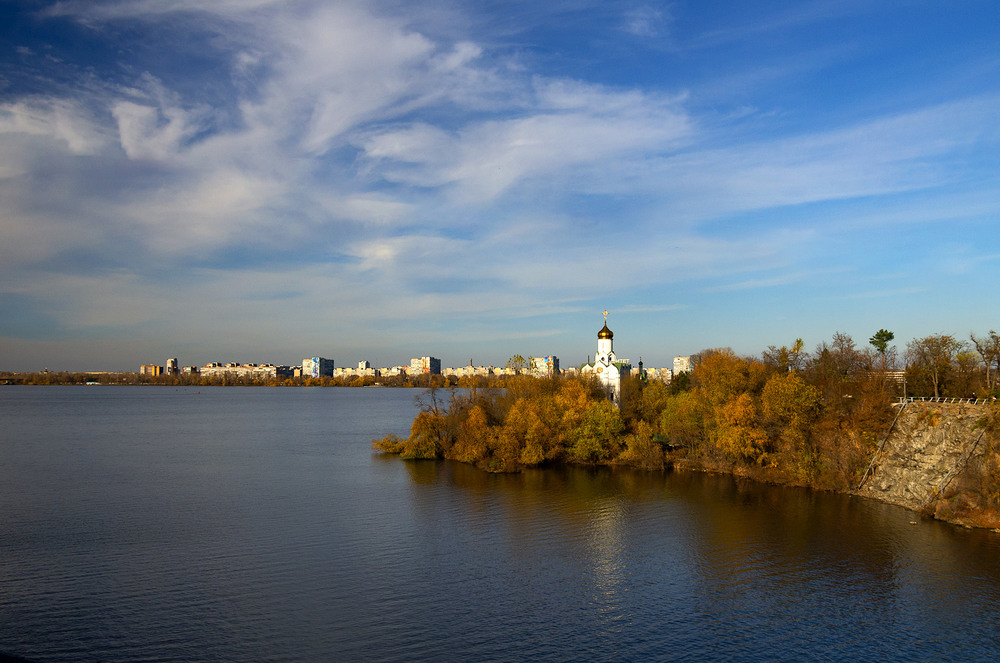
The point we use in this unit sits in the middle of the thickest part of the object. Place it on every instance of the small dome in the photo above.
(605, 332)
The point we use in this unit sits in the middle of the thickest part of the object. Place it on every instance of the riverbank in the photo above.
(776, 429)
(957, 507)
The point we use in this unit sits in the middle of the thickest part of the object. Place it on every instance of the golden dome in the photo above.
(605, 332)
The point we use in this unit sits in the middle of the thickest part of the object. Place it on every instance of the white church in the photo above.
(608, 368)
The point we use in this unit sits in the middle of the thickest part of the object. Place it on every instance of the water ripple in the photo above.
(222, 538)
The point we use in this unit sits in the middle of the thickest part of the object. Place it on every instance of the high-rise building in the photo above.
(428, 365)
(317, 367)
(545, 365)
(237, 371)
(172, 368)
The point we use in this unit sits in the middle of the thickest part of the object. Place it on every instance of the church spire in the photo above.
(605, 367)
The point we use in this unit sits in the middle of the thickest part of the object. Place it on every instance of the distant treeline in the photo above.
(232, 380)
(937, 365)
(788, 416)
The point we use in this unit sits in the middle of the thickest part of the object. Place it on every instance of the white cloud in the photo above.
(417, 143)
(461, 56)
(60, 120)
(882, 156)
(409, 257)
(591, 126)
(349, 67)
(391, 172)
(221, 208)
(109, 10)
(643, 21)
(149, 133)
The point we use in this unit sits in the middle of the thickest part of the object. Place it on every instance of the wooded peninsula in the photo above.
(788, 417)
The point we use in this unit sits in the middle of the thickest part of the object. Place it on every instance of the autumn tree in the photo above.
(721, 376)
(641, 450)
(630, 402)
(681, 421)
(834, 367)
(785, 358)
(739, 434)
(988, 347)
(473, 442)
(595, 438)
(517, 364)
(572, 402)
(725, 393)
(680, 382)
(790, 407)
(931, 358)
(524, 436)
(655, 396)
(427, 437)
(967, 376)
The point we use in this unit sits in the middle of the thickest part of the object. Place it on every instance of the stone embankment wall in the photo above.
(928, 446)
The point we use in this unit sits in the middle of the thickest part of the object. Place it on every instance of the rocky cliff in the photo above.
(932, 452)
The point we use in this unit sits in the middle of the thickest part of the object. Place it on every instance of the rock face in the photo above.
(929, 444)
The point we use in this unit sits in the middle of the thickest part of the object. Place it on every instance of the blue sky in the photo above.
(251, 180)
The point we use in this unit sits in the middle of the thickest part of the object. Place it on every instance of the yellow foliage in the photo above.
(740, 436)
(655, 397)
(506, 451)
(572, 400)
(721, 377)
(681, 420)
(390, 444)
(524, 424)
(791, 407)
(787, 398)
(741, 412)
(641, 450)
(595, 438)
(729, 407)
(426, 436)
(474, 437)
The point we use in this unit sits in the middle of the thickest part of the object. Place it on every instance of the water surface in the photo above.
(222, 524)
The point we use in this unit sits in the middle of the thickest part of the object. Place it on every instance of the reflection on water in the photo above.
(740, 566)
(257, 525)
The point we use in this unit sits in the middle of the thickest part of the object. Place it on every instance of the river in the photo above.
(256, 524)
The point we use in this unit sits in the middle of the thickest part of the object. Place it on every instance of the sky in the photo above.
(264, 181)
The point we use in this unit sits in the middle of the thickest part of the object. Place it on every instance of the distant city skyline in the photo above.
(255, 180)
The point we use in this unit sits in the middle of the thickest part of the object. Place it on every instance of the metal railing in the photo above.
(944, 399)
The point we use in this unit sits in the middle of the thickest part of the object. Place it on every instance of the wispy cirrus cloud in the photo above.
(644, 21)
(572, 125)
(366, 157)
(60, 120)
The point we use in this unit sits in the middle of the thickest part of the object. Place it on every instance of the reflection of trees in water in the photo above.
(706, 546)
(782, 555)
